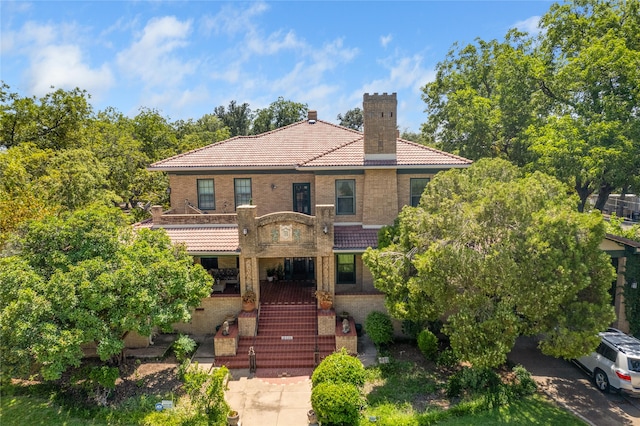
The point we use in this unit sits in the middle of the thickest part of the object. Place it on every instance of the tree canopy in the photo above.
(498, 254)
(87, 278)
(279, 114)
(564, 102)
(352, 119)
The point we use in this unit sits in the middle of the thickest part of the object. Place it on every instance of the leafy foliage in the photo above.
(352, 119)
(86, 277)
(564, 102)
(501, 255)
(379, 327)
(206, 390)
(336, 403)
(428, 344)
(279, 114)
(339, 367)
(183, 347)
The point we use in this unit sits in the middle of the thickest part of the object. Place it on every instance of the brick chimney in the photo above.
(380, 126)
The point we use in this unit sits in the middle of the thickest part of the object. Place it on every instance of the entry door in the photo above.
(302, 198)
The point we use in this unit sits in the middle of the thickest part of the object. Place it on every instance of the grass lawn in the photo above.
(409, 391)
(531, 411)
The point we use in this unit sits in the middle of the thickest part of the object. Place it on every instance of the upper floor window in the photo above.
(206, 195)
(345, 196)
(242, 188)
(417, 188)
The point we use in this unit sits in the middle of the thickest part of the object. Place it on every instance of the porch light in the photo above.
(245, 231)
(325, 229)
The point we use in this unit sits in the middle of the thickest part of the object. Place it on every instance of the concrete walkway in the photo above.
(280, 401)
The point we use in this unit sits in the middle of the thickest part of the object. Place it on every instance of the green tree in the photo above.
(204, 131)
(57, 120)
(482, 99)
(86, 277)
(352, 119)
(568, 97)
(279, 114)
(502, 254)
(591, 51)
(237, 118)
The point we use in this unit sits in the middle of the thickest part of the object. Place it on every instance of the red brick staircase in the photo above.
(286, 340)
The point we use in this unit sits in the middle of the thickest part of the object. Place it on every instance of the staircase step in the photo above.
(298, 320)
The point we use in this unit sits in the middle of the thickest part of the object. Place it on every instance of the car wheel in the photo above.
(601, 380)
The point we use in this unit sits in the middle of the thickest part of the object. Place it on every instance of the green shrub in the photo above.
(183, 347)
(206, 391)
(524, 384)
(428, 344)
(411, 328)
(447, 358)
(337, 403)
(339, 367)
(473, 380)
(379, 327)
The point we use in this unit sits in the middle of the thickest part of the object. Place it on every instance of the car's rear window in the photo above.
(634, 364)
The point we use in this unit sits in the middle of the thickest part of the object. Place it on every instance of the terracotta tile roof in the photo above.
(302, 145)
(206, 239)
(407, 153)
(284, 147)
(354, 238)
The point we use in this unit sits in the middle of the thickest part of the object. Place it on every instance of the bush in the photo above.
(379, 327)
(473, 380)
(339, 367)
(524, 384)
(183, 347)
(447, 358)
(206, 391)
(337, 403)
(428, 344)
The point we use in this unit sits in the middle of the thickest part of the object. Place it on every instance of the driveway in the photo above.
(572, 388)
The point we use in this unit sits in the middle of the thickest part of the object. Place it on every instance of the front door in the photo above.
(299, 268)
(302, 198)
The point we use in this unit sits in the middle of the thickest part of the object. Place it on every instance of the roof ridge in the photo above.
(333, 149)
(202, 148)
(448, 154)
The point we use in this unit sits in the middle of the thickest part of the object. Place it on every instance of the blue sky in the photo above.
(184, 58)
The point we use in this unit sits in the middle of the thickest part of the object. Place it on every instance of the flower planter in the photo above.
(325, 305)
(248, 306)
(233, 418)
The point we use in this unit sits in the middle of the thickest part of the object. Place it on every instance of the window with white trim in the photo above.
(345, 196)
(242, 188)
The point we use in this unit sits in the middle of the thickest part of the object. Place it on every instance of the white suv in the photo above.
(615, 363)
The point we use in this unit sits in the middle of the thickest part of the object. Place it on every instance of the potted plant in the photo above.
(233, 418)
(325, 298)
(271, 273)
(280, 271)
(249, 301)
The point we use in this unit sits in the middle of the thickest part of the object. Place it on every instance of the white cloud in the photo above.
(153, 59)
(385, 40)
(62, 66)
(274, 43)
(55, 57)
(529, 25)
(231, 21)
